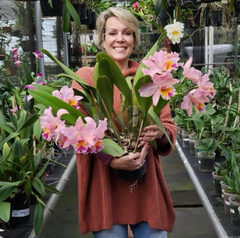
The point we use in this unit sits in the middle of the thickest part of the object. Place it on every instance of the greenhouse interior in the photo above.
(43, 43)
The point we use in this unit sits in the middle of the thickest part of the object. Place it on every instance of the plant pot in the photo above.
(20, 210)
(234, 214)
(191, 146)
(185, 139)
(175, 47)
(47, 11)
(223, 186)
(206, 162)
(179, 133)
(217, 186)
(130, 175)
(197, 148)
(226, 196)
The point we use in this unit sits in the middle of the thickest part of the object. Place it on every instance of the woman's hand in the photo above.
(131, 161)
(150, 133)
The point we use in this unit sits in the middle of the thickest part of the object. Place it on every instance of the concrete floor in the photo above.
(191, 222)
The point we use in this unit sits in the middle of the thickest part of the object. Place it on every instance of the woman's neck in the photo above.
(123, 65)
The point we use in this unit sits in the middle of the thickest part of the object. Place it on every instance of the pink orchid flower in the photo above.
(207, 86)
(38, 54)
(67, 95)
(49, 124)
(135, 5)
(162, 86)
(195, 97)
(191, 73)
(160, 62)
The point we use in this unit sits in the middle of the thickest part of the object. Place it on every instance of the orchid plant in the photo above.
(153, 86)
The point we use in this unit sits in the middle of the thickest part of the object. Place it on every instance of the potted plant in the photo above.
(23, 154)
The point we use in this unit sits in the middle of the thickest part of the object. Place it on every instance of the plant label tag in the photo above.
(227, 202)
(199, 161)
(232, 210)
(21, 213)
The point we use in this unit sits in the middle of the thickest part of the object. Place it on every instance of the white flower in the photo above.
(175, 31)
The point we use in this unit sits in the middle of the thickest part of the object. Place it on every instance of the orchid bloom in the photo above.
(207, 86)
(160, 63)
(84, 136)
(175, 31)
(38, 54)
(135, 5)
(162, 86)
(195, 97)
(191, 73)
(49, 124)
(67, 95)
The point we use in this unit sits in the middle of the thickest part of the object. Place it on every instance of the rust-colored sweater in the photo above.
(105, 200)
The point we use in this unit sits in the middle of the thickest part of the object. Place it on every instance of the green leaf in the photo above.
(72, 11)
(5, 152)
(7, 128)
(56, 103)
(114, 73)
(68, 71)
(36, 160)
(51, 189)
(106, 94)
(5, 211)
(145, 102)
(5, 192)
(66, 16)
(27, 73)
(158, 122)
(112, 148)
(38, 185)
(158, 7)
(37, 130)
(17, 148)
(38, 218)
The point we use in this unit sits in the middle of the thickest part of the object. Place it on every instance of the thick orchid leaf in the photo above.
(158, 7)
(5, 211)
(72, 11)
(54, 102)
(115, 74)
(68, 71)
(66, 17)
(154, 117)
(144, 102)
(12, 135)
(37, 130)
(112, 148)
(17, 148)
(105, 88)
(38, 218)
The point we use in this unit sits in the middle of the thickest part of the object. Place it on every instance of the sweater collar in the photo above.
(133, 66)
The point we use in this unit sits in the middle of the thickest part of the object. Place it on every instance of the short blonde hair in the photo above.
(123, 15)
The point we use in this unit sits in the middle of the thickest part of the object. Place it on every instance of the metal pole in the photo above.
(39, 41)
(65, 44)
(212, 215)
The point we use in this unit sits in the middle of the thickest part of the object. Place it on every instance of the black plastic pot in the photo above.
(20, 210)
(47, 11)
(130, 175)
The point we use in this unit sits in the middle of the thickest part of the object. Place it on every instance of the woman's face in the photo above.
(118, 41)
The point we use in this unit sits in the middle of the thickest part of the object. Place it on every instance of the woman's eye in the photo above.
(128, 33)
(112, 33)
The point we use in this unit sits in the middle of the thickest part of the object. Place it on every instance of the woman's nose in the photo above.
(120, 37)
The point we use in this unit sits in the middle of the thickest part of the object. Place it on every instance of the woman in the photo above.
(106, 204)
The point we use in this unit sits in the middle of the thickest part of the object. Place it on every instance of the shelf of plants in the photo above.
(57, 177)
(203, 182)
